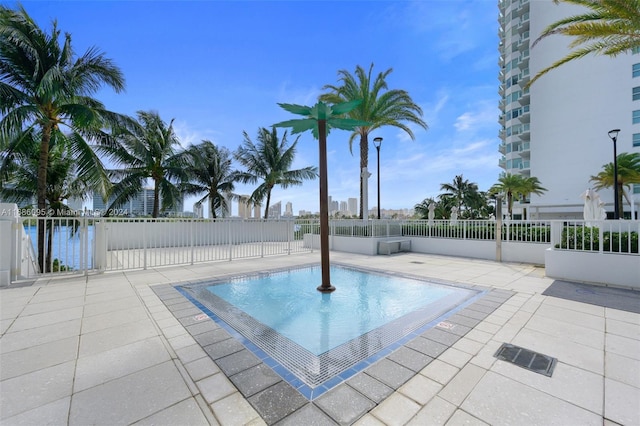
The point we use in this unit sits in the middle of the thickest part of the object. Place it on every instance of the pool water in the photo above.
(289, 303)
(315, 340)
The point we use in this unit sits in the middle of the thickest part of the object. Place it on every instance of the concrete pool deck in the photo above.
(106, 349)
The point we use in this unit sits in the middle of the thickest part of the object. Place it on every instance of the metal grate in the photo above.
(525, 358)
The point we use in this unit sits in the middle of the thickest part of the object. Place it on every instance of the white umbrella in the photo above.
(592, 210)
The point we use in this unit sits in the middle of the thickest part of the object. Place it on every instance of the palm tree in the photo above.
(64, 181)
(461, 191)
(269, 161)
(628, 174)
(147, 150)
(209, 172)
(516, 186)
(379, 107)
(44, 86)
(320, 119)
(607, 27)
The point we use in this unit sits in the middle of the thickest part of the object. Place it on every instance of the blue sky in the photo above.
(220, 68)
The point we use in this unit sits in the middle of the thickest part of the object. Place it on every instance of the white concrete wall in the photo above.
(130, 235)
(593, 267)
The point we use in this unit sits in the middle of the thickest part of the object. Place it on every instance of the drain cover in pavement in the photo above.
(533, 361)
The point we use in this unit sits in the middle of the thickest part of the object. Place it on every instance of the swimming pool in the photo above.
(317, 340)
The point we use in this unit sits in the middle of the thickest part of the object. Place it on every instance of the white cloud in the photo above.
(189, 136)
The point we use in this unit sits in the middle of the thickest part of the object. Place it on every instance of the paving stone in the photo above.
(223, 348)
(235, 410)
(109, 338)
(479, 307)
(435, 413)
(202, 327)
(201, 368)
(344, 404)
(237, 362)
(211, 337)
(462, 383)
(427, 347)
(499, 400)
(17, 363)
(473, 314)
(308, 415)
(396, 410)
(186, 412)
(130, 398)
(102, 367)
(370, 387)
(255, 379)
(390, 373)
(460, 418)
(216, 387)
(24, 393)
(54, 413)
(420, 389)
(276, 402)
(621, 403)
(410, 358)
(462, 320)
(440, 336)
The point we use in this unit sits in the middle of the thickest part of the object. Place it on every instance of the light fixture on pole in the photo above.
(613, 134)
(377, 142)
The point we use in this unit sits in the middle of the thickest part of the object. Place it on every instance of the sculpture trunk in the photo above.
(326, 286)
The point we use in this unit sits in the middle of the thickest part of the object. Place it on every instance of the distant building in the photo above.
(275, 210)
(140, 205)
(288, 209)
(244, 207)
(352, 206)
(198, 210)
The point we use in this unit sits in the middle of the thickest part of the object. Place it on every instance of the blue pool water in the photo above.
(289, 303)
(313, 340)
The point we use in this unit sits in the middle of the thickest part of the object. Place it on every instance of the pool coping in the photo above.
(277, 397)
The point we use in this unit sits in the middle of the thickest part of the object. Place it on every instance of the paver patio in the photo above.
(120, 348)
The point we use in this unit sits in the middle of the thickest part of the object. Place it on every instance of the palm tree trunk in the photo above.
(326, 286)
(364, 162)
(156, 199)
(42, 192)
(266, 208)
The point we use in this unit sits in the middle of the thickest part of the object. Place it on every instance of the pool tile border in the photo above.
(430, 340)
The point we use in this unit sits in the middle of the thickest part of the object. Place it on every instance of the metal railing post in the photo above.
(144, 244)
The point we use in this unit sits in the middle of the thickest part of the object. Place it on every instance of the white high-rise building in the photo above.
(557, 130)
(352, 206)
(288, 209)
(198, 210)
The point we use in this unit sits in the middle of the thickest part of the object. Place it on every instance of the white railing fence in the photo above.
(79, 245)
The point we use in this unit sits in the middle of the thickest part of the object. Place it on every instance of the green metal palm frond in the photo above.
(608, 27)
(332, 114)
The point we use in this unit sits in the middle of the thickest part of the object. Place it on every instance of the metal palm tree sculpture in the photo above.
(320, 119)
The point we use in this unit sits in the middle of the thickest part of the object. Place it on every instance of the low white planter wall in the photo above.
(593, 267)
(368, 246)
(523, 252)
(453, 247)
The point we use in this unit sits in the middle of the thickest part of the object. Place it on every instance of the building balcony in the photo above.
(502, 162)
(502, 148)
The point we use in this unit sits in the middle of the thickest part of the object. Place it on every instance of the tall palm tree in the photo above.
(514, 186)
(64, 181)
(45, 86)
(379, 107)
(462, 191)
(628, 174)
(209, 173)
(607, 27)
(268, 162)
(147, 150)
(320, 119)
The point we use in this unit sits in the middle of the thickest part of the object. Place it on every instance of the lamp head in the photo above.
(613, 134)
(377, 142)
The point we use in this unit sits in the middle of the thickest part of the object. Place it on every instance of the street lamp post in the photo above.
(613, 134)
(377, 142)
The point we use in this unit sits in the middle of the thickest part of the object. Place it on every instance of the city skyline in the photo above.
(214, 90)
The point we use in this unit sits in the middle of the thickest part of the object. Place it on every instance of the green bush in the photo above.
(587, 238)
